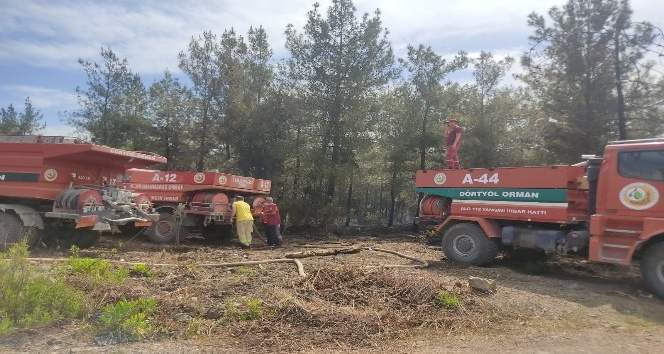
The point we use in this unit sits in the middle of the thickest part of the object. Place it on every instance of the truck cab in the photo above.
(629, 208)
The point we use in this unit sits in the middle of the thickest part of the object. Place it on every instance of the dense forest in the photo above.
(341, 125)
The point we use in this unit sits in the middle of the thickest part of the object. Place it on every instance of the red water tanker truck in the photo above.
(609, 208)
(192, 201)
(64, 191)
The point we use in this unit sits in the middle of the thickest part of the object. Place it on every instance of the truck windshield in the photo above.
(643, 164)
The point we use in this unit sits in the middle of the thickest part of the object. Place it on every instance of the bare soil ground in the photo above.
(367, 300)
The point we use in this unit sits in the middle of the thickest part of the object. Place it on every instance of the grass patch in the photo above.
(142, 270)
(245, 309)
(447, 300)
(97, 269)
(28, 298)
(128, 320)
(245, 271)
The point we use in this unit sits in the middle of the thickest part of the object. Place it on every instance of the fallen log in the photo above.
(331, 252)
(423, 262)
(327, 252)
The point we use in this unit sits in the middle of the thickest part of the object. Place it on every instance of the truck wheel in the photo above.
(652, 268)
(165, 230)
(467, 243)
(12, 231)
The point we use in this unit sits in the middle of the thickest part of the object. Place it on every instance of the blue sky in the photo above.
(41, 41)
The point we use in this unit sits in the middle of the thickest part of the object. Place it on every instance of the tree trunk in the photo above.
(349, 202)
(380, 201)
(622, 123)
(202, 142)
(420, 196)
(296, 173)
(423, 149)
(390, 220)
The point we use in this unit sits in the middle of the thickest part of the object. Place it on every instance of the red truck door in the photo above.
(630, 204)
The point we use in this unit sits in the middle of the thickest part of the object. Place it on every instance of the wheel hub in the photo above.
(464, 245)
(164, 228)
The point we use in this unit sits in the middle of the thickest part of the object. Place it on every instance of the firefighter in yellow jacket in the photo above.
(244, 221)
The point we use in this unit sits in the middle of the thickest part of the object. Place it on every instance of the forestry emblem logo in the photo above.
(439, 178)
(50, 175)
(199, 177)
(639, 196)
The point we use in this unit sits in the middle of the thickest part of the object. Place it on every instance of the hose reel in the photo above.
(79, 200)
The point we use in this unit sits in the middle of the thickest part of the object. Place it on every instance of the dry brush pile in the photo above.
(331, 306)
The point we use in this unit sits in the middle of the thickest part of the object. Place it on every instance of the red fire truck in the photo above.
(65, 191)
(203, 198)
(609, 207)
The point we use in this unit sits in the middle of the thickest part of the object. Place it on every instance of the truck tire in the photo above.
(467, 243)
(12, 231)
(652, 268)
(165, 230)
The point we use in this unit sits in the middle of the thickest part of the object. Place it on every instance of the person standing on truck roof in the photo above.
(244, 221)
(271, 220)
(452, 135)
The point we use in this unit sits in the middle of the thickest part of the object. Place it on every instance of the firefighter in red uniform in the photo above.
(452, 137)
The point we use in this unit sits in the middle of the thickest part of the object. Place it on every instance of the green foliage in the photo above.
(447, 300)
(170, 109)
(179, 212)
(30, 299)
(216, 68)
(422, 98)
(98, 269)
(129, 319)
(141, 270)
(583, 67)
(19, 123)
(112, 103)
(340, 63)
(244, 310)
(245, 271)
(6, 327)
(489, 113)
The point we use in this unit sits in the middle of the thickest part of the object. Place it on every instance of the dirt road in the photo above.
(365, 300)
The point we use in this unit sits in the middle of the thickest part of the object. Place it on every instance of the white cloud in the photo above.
(41, 97)
(52, 35)
(150, 33)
